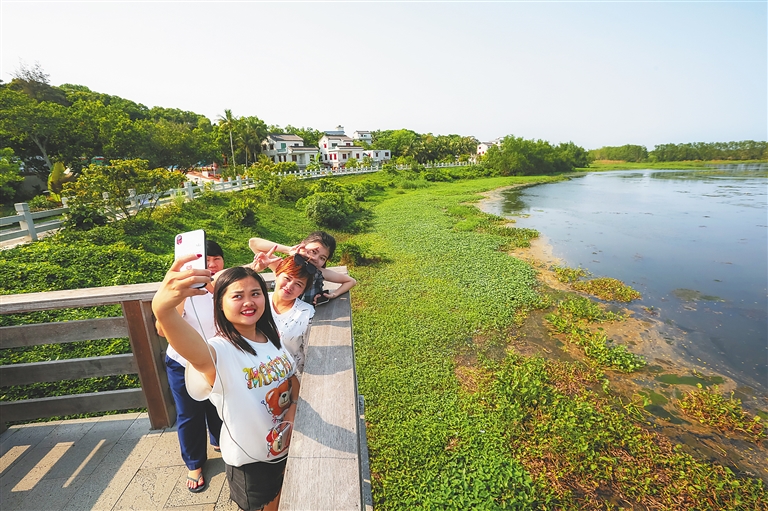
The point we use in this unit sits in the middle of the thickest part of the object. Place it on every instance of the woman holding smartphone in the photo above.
(257, 410)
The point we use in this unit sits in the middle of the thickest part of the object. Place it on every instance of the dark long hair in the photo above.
(323, 238)
(265, 324)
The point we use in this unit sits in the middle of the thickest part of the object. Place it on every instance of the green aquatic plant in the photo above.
(710, 407)
(609, 289)
(569, 275)
(572, 317)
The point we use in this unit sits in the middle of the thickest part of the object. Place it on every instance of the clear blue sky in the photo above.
(597, 73)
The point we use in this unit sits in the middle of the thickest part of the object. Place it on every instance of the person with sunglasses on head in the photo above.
(316, 248)
(194, 418)
(293, 275)
(245, 371)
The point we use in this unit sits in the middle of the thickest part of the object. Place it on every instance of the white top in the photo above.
(202, 308)
(293, 326)
(251, 394)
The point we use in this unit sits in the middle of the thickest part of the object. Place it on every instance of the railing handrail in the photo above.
(29, 231)
(328, 446)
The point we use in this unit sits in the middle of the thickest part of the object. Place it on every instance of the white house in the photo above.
(281, 147)
(364, 136)
(483, 147)
(336, 149)
(379, 156)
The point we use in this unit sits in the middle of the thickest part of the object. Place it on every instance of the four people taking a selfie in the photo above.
(241, 351)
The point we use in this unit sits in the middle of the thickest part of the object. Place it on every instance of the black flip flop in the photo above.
(200, 487)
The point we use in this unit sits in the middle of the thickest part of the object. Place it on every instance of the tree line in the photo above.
(704, 151)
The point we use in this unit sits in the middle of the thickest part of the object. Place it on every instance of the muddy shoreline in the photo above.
(671, 372)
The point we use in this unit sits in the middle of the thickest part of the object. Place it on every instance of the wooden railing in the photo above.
(328, 460)
(28, 230)
(136, 323)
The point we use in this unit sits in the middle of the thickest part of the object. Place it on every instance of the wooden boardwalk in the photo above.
(118, 462)
(104, 463)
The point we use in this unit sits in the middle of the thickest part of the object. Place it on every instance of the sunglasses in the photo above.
(304, 262)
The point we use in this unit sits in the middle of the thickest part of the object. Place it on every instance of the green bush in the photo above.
(83, 216)
(242, 209)
(329, 209)
(42, 203)
(291, 189)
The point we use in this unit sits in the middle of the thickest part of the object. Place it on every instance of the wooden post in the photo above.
(22, 208)
(147, 349)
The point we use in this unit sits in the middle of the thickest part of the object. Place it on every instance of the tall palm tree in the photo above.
(227, 121)
(248, 135)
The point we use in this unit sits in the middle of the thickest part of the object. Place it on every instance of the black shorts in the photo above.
(255, 485)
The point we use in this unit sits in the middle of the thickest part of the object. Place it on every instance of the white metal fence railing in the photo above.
(28, 230)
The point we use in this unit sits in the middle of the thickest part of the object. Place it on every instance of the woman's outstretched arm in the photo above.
(175, 288)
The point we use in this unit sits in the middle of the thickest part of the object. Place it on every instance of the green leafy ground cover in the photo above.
(122, 253)
(456, 419)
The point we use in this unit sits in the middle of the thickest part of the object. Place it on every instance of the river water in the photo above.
(694, 243)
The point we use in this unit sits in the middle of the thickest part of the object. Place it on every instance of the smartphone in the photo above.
(192, 242)
(322, 299)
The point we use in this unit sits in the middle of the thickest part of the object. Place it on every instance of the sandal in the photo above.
(200, 487)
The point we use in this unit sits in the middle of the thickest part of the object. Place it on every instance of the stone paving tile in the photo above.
(117, 469)
(165, 452)
(149, 488)
(213, 472)
(109, 463)
(26, 434)
(35, 463)
(47, 494)
(224, 503)
(87, 452)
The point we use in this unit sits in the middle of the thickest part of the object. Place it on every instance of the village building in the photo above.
(284, 147)
(483, 147)
(336, 149)
(364, 136)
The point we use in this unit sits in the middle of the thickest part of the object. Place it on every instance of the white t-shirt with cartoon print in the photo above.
(293, 325)
(251, 394)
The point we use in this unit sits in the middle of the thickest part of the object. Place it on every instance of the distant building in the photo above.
(483, 147)
(336, 149)
(364, 136)
(284, 147)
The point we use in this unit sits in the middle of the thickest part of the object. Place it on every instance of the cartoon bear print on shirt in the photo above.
(278, 399)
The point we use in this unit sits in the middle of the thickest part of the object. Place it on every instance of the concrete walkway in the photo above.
(103, 463)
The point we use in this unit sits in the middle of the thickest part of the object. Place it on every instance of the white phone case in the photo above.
(192, 242)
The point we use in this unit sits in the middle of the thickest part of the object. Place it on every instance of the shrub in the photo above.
(43, 202)
(436, 174)
(353, 254)
(291, 189)
(242, 209)
(329, 209)
(83, 216)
